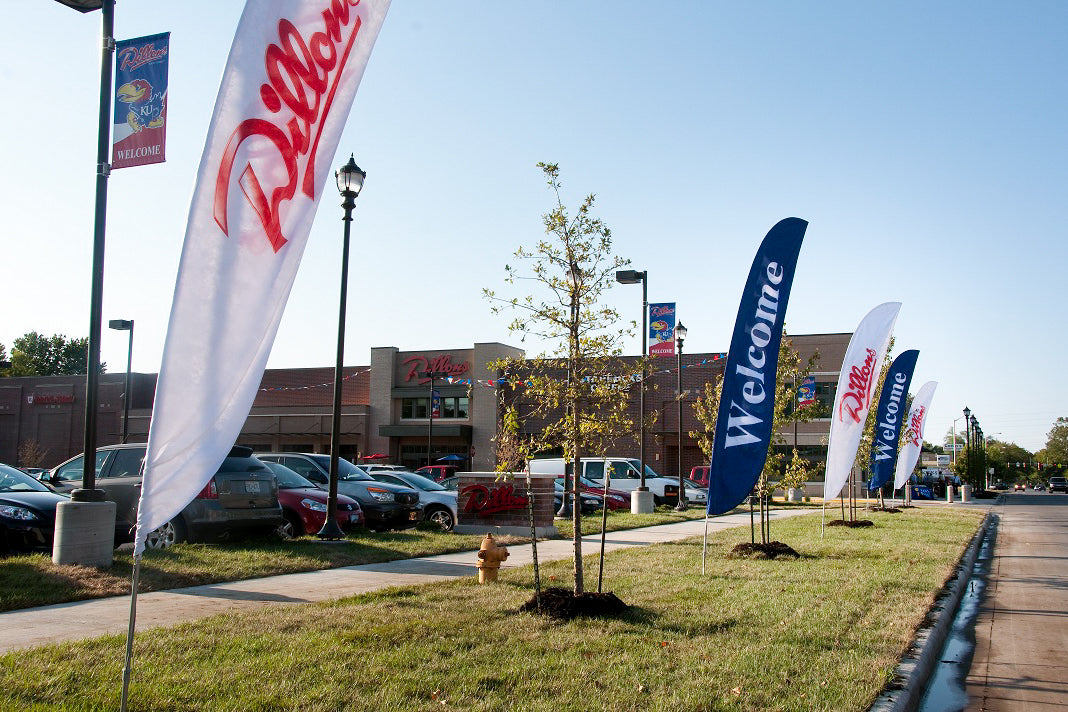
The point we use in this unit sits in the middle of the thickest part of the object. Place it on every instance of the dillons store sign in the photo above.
(35, 399)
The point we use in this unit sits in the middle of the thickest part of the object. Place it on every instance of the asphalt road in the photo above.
(1021, 631)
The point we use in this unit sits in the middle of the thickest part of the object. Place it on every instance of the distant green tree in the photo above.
(35, 354)
(1056, 449)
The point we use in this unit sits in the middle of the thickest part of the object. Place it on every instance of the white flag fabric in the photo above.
(289, 82)
(910, 453)
(860, 371)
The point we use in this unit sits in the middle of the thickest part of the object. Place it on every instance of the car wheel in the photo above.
(171, 533)
(442, 517)
(290, 528)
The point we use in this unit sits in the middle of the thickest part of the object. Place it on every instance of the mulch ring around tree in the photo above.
(563, 604)
(771, 550)
(852, 523)
(885, 509)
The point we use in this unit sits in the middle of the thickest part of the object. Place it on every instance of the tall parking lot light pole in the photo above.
(88, 517)
(349, 183)
(680, 335)
(433, 376)
(641, 500)
(125, 325)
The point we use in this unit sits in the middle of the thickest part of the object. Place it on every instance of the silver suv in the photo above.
(241, 497)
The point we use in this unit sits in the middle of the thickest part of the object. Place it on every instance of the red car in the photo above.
(699, 475)
(617, 499)
(437, 472)
(304, 504)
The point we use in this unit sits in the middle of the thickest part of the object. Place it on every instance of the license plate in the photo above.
(413, 515)
(252, 487)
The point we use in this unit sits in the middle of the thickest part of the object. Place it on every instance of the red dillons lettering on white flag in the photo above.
(910, 452)
(293, 71)
(860, 369)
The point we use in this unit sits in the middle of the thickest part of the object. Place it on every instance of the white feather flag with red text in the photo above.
(910, 451)
(285, 96)
(852, 401)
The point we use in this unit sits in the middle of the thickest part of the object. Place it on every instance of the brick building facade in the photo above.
(385, 407)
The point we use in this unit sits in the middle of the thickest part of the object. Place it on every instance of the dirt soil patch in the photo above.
(885, 509)
(771, 550)
(852, 523)
(564, 604)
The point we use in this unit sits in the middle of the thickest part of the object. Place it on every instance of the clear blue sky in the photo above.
(924, 142)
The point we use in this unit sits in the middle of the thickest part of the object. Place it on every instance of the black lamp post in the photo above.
(88, 491)
(125, 325)
(630, 276)
(680, 335)
(967, 444)
(349, 184)
(433, 376)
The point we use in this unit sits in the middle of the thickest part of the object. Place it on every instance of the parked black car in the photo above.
(385, 506)
(242, 497)
(27, 513)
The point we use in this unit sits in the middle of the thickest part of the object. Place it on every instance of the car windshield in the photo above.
(345, 470)
(419, 482)
(12, 480)
(649, 472)
(695, 485)
(287, 478)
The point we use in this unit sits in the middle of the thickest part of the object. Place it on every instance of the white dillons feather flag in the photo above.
(289, 82)
(860, 371)
(910, 453)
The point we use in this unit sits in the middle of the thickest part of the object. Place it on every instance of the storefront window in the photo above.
(452, 407)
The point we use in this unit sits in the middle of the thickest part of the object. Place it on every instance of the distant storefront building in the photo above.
(386, 408)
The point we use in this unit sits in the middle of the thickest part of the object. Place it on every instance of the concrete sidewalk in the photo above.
(88, 619)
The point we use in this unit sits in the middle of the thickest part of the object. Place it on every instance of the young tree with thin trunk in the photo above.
(573, 387)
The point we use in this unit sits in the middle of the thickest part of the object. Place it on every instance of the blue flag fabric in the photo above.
(747, 406)
(889, 417)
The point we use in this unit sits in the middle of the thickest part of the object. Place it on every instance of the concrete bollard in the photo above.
(641, 502)
(966, 493)
(85, 534)
(949, 494)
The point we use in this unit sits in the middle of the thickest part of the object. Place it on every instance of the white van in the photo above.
(623, 475)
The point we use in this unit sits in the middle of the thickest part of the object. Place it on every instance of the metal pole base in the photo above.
(641, 501)
(330, 531)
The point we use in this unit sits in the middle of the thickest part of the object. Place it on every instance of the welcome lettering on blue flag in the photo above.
(889, 417)
(747, 406)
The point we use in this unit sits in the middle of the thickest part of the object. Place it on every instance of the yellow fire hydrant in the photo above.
(490, 556)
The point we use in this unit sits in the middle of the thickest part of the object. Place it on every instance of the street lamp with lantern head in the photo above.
(680, 336)
(125, 325)
(641, 500)
(349, 184)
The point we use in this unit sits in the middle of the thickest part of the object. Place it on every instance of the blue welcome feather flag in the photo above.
(747, 406)
(889, 417)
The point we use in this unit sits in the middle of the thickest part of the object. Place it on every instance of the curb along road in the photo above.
(914, 671)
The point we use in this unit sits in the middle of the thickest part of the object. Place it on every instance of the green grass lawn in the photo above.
(819, 633)
(27, 581)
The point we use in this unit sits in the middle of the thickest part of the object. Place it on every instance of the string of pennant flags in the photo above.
(494, 382)
(488, 383)
(317, 385)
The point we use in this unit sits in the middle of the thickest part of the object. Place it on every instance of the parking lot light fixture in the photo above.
(349, 183)
(640, 500)
(125, 325)
(433, 376)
